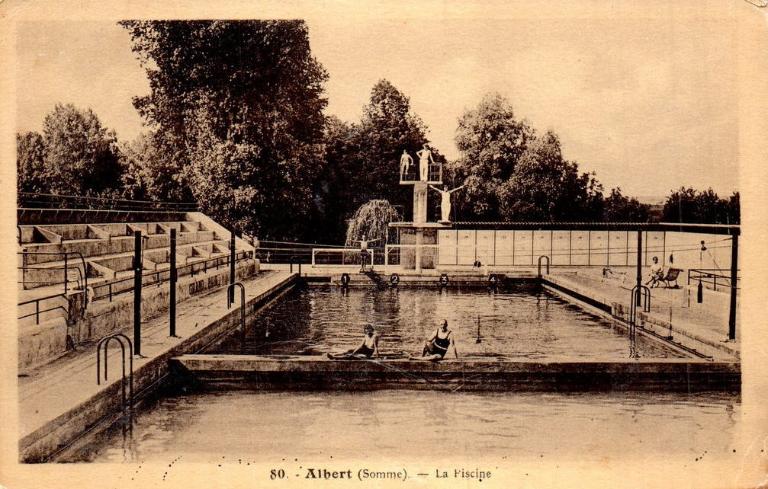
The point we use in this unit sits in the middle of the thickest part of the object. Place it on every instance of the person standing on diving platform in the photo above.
(437, 346)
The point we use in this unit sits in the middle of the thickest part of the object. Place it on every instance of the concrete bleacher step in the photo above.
(110, 239)
(102, 263)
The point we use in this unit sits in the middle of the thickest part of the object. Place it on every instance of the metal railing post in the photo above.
(734, 283)
(639, 281)
(172, 279)
(232, 264)
(66, 275)
(137, 268)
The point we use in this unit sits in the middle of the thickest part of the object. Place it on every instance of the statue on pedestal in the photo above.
(445, 201)
(425, 156)
(405, 163)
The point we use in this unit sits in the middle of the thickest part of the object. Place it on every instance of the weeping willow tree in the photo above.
(371, 220)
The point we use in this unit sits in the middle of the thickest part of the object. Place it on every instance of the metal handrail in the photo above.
(84, 275)
(638, 292)
(704, 274)
(157, 273)
(539, 265)
(119, 337)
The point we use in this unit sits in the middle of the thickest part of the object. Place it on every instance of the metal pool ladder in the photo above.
(127, 379)
(640, 293)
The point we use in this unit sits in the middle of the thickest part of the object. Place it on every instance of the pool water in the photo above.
(518, 322)
(241, 425)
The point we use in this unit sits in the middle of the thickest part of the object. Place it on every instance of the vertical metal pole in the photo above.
(173, 278)
(137, 267)
(639, 266)
(734, 283)
(232, 266)
(66, 277)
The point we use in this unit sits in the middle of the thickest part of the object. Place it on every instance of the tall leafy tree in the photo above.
(491, 140)
(30, 163)
(81, 156)
(692, 206)
(386, 129)
(620, 208)
(238, 106)
(545, 186)
(363, 159)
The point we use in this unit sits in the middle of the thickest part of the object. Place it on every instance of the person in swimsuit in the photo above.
(369, 347)
(437, 346)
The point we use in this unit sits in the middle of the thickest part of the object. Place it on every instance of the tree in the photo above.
(372, 221)
(619, 208)
(544, 186)
(691, 206)
(149, 174)
(386, 129)
(30, 163)
(81, 156)
(491, 141)
(238, 105)
(363, 159)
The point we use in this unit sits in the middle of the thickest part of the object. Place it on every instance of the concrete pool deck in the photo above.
(698, 326)
(61, 401)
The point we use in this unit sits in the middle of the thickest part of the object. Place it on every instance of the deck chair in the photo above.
(670, 277)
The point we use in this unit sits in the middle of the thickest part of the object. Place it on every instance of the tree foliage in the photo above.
(692, 206)
(238, 108)
(371, 220)
(75, 155)
(514, 174)
(491, 141)
(30, 163)
(617, 208)
(81, 156)
(363, 159)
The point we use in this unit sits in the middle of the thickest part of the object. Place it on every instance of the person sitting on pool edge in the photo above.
(437, 346)
(369, 347)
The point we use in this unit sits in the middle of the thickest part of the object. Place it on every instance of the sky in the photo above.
(648, 104)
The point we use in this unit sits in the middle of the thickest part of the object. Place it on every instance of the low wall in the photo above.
(317, 373)
(39, 345)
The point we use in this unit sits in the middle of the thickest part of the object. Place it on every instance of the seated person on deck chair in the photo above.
(368, 348)
(437, 346)
(656, 273)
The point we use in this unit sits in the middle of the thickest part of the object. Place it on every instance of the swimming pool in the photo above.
(521, 322)
(241, 425)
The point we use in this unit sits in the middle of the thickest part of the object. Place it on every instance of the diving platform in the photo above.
(312, 372)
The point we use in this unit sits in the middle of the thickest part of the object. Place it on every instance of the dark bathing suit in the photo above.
(439, 345)
(365, 350)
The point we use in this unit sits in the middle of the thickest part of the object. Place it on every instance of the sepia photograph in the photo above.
(436, 244)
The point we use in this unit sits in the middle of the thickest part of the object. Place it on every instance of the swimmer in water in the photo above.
(369, 347)
(437, 346)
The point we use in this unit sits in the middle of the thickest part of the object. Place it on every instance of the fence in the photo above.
(343, 256)
(710, 277)
(54, 201)
(115, 287)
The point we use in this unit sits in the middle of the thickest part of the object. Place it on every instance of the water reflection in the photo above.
(260, 426)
